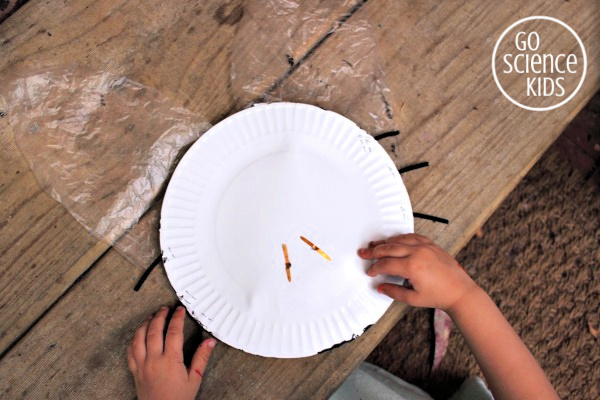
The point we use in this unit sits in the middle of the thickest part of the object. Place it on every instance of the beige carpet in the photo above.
(539, 259)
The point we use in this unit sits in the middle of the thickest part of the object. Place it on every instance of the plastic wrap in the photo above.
(311, 52)
(101, 145)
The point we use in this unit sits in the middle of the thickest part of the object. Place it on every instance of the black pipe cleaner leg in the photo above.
(413, 167)
(386, 135)
(146, 273)
(431, 218)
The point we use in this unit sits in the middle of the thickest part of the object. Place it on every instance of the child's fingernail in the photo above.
(212, 343)
(179, 308)
(362, 251)
(379, 289)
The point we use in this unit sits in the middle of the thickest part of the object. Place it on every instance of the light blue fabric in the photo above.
(369, 382)
(473, 388)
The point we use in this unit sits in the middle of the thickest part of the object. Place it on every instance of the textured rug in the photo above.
(7, 7)
(538, 257)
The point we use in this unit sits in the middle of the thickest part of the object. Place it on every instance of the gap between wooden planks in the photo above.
(475, 167)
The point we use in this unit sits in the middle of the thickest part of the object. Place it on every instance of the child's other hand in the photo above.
(157, 364)
(437, 280)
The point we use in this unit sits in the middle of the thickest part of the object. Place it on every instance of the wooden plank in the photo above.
(184, 51)
(437, 56)
(44, 249)
(84, 338)
(476, 157)
(104, 306)
(282, 37)
(476, 178)
(80, 345)
(453, 115)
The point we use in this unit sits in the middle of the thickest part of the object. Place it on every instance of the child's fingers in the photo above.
(385, 250)
(200, 359)
(131, 359)
(154, 338)
(411, 239)
(375, 243)
(138, 343)
(405, 295)
(390, 266)
(174, 337)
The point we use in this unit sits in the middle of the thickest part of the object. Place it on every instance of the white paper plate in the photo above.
(261, 178)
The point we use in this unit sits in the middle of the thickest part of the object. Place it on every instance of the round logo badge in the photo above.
(539, 63)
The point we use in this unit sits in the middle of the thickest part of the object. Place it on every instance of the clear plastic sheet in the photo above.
(311, 52)
(103, 146)
(140, 244)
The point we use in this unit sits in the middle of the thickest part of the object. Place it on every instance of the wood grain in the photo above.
(450, 113)
(83, 339)
(46, 250)
(185, 55)
(479, 145)
(78, 348)
(42, 248)
(111, 32)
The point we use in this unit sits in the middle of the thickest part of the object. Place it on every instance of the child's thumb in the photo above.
(200, 359)
(403, 294)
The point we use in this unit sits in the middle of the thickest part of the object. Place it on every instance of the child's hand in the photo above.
(437, 280)
(157, 364)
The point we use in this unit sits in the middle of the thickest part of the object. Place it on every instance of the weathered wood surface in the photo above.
(437, 60)
(478, 143)
(185, 48)
(185, 55)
